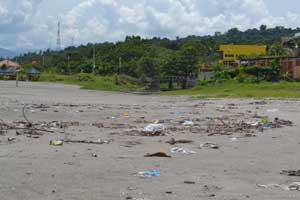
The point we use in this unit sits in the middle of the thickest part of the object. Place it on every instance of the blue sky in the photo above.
(32, 24)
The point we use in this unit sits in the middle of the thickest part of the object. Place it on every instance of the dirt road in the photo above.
(31, 169)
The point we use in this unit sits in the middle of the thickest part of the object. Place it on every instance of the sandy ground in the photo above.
(31, 169)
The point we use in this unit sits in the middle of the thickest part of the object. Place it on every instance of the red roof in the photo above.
(9, 63)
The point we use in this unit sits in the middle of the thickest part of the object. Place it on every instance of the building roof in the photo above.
(9, 63)
(33, 71)
(10, 70)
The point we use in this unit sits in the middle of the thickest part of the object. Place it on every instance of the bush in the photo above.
(268, 73)
(83, 77)
(52, 78)
(246, 78)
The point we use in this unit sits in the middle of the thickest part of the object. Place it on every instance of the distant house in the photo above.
(10, 64)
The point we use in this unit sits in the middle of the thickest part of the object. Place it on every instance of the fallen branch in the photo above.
(88, 142)
(27, 120)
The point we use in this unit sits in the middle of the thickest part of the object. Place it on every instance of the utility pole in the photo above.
(68, 61)
(120, 65)
(94, 58)
(17, 77)
(43, 60)
(58, 39)
(72, 41)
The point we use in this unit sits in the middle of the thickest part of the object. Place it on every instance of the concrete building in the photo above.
(231, 53)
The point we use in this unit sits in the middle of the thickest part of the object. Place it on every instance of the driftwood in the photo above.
(88, 142)
(27, 120)
(29, 128)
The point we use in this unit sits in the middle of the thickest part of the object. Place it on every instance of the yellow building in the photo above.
(231, 53)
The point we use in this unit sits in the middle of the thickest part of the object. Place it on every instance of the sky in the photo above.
(32, 24)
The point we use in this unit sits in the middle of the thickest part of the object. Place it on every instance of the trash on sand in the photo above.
(126, 114)
(10, 139)
(178, 113)
(273, 110)
(159, 121)
(182, 150)
(99, 141)
(190, 182)
(158, 154)
(290, 172)
(268, 126)
(233, 139)
(94, 155)
(149, 173)
(259, 103)
(173, 141)
(209, 145)
(56, 143)
(154, 128)
(253, 123)
(295, 186)
(188, 123)
(265, 121)
(98, 125)
(278, 123)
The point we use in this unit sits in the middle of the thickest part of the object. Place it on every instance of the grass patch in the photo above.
(232, 89)
(93, 82)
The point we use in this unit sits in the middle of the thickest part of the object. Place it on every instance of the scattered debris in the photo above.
(99, 141)
(10, 139)
(249, 135)
(211, 188)
(126, 114)
(230, 126)
(290, 172)
(268, 126)
(158, 154)
(56, 143)
(173, 141)
(149, 173)
(209, 145)
(272, 110)
(160, 121)
(188, 123)
(182, 150)
(295, 186)
(279, 123)
(259, 103)
(154, 129)
(190, 182)
(131, 143)
(94, 155)
(98, 125)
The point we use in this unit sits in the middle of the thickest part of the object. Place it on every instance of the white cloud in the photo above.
(101, 20)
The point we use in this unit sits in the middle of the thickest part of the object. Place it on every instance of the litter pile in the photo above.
(295, 186)
(220, 126)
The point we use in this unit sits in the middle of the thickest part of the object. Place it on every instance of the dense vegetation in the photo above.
(146, 58)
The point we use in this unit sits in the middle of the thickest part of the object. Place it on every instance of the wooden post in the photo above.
(17, 78)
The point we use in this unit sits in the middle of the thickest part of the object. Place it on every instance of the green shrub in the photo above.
(83, 77)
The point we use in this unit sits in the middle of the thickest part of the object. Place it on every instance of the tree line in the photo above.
(146, 58)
